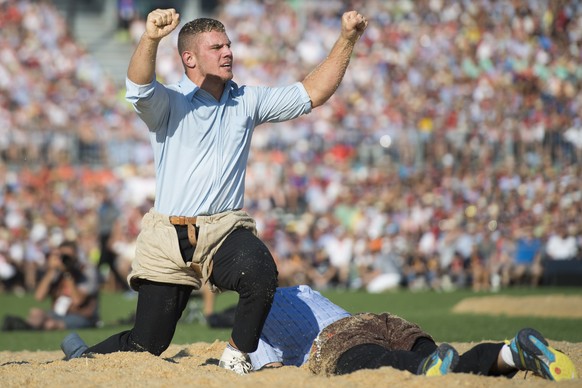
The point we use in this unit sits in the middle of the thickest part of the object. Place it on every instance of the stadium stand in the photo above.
(457, 124)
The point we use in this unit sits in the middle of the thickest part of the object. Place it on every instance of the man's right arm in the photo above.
(142, 66)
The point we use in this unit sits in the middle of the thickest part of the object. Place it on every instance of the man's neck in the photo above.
(212, 85)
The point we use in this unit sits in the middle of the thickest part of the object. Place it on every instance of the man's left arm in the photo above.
(324, 80)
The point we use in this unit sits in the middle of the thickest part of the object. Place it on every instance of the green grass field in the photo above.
(431, 310)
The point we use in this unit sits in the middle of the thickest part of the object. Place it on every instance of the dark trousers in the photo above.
(242, 264)
(478, 360)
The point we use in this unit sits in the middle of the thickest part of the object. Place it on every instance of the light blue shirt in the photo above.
(201, 145)
(297, 316)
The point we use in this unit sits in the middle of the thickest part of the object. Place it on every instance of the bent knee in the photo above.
(155, 346)
(263, 276)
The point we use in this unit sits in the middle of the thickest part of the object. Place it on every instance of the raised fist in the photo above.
(353, 25)
(161, 22)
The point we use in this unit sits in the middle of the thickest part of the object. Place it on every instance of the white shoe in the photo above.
(235, 360)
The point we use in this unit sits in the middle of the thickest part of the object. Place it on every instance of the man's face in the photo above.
(213, 55)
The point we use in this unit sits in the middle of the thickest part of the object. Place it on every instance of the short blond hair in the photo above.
(195, 27)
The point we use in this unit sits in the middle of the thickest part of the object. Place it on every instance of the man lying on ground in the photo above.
(304, 327)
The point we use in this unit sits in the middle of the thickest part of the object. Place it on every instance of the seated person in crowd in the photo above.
(562, 244)
(73, 289)
(526, 266)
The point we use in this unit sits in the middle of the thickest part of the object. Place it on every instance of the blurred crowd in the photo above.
(450, 157)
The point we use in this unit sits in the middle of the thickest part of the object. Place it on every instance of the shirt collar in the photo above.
(189, 88)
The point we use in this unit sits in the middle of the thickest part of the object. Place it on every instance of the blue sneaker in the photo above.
(531, 352)
(73, 346)
(442, 361)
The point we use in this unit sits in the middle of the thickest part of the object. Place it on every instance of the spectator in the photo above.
(459, 278)
(72, 288)
(383, 271)
(339, 248)
(108, 215)
(479, 270)
(562, 244)
(414, 269)
(500, 261)
(526, 266)
(10, 278)
(321, 273)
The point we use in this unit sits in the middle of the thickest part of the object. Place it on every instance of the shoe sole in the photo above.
(549, 362)
(448, 360)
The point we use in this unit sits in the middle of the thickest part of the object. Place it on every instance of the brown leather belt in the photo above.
(190, 222)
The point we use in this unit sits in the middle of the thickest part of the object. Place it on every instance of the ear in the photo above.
(189, 59)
